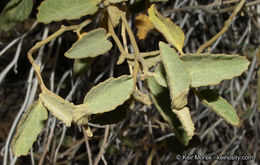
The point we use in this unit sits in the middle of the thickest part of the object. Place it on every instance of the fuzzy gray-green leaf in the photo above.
(178, 77)
(60, 108)
(57, 10)
(109, 94)
(161, 99)
(29, 128)
(92, 44)
(211, 69)
(219, 105)
(160, 75)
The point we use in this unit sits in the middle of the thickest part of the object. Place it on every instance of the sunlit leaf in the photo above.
(81, 65)
(57, 10)
(60, 108)
(160, 75)
(169, 30)
(161, 99)
(29, 128)
(143, 26)
(15, 12)
(92, 44)
(114, 14)
(185, 119)
(178, 77)
(108, 95)
(211, 69)
(219, 105)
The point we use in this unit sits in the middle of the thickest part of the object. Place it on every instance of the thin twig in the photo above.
(101, 151)
(87, 146)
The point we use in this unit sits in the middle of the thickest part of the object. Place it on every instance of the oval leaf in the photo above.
(219, 105)
(14, 12)
(29, 128)
(211, 69)
(57, 10)
(178, 77)
(92, 44)
(60, 108)
(160, 75)
(169, 30)
(114, 14)
(161, 99)
(108, 95)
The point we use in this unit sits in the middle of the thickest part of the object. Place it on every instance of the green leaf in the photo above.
(81, 65)
(112, 117)
(169, 30)
(211, 69)
(29, 128)
(108, 95)
(149, 60)
(178, 77)
(57, 10)
(160, 75)
(114, 14)
(15, 12)
(161, 99)
(92, 44)
(117, 1)
(60, 108)
(219, 105)
(185, 119)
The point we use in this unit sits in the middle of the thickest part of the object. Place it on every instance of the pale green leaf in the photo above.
(108, 95)
(178, 77)
(15, 12)
(60, 108)
(93, 44)
(169, 30)
(114, 14)
(211, 69)
(81, 115)
(149, 60)
(161, 99)
(160, 75)
(185, 119)
(29, 128)
(219, 105)
(81, 65)
(57, 10)
(117, 1)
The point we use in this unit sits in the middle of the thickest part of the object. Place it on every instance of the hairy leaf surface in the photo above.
(29, 128)
(160, 75)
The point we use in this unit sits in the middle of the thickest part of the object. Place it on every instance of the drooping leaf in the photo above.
(81, 65)
(169, 30)
(60, 108)
(15, 12)
(219, 105)
(161, 99)
(117, 1)
(114, 14)
(211, 69)
(29, 128)
(57, 10)
(160, 75)
(108, 95)
(185, 119)
(92, 44)
(178, 77)
(143, 26)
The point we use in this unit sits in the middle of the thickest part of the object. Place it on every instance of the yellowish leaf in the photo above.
(114, 14)
(143, 26)
(169, 30)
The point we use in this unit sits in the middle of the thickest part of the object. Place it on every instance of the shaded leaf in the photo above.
(15, 12)
(143, 26)
(158, 0)
(81, 65)
(60, 108)
(114, 14)
(169, 30)
(177, 75)
(108, 95)
(57, 10)
(219, 105)
(112, 117)
(160, 75)
(29, 128)
(149, 60)
(211, 69)
(161, 99)
(185, 119)
(92, 44)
